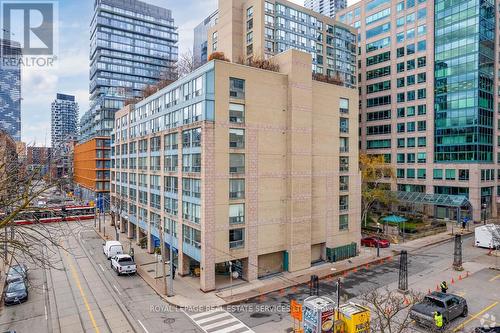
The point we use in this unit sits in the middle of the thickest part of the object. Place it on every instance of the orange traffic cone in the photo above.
(452, 281)
(405, 301)
(460, 278)
(282, 292)
(437, 287)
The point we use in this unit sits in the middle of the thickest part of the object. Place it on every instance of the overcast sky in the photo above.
(71, 76)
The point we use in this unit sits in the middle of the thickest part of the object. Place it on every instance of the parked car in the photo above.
(17, 273)
(16, 293)
(112, 248)
(487, 330)
(123, 264)
(372, 242)
(449, 305)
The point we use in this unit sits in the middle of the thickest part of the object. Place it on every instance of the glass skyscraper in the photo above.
(326, 7)
(132, 45)
(64, 122)
(200, 44)
(464, 80)
(10, 88)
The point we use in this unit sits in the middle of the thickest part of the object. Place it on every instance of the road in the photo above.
(82, 294)
(427, 267)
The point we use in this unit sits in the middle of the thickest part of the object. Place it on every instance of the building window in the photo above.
(343, 202)
(214, 41)
(191, 236)
(236, 113)
(450, 174)
(237, 214)
(191, 212)
(421, 173)
(344, 183)
(236, 138)
(344, 145)
(344, 222)
(236, 163)
(438, 174)
(463, 174)
(344, 164)
(344, 125)
(236, 238)
(249, 12)
(344, 105)
(236, 88)
(191, 187)
(191, 162)
(236, 188)
(170, 184)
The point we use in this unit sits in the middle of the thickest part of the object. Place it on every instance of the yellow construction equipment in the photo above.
(353, 318)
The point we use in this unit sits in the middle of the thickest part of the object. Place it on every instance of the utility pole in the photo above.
(231, 276)
(170, 284)
(338, 299)
(163, 257)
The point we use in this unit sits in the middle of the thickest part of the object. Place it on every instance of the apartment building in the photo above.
(259, 29)
(64, 119)
(10, 94)
(132, 45)
(240, 164)
(200, 41)
(427, 95)
(326, 7)
(91, 165)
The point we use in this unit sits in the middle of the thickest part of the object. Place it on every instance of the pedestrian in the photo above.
(438, 320)
(131, 253)
(173, 272)
(444, 287)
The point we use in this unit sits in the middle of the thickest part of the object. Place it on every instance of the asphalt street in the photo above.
(82, 294)
(426, 268)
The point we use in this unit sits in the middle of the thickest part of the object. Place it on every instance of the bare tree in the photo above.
(187, 63)
(20, 187)
(390, 310)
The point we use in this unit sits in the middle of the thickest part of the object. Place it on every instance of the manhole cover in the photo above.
(169, 321)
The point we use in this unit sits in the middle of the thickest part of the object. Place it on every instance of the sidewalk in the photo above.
(188, 294)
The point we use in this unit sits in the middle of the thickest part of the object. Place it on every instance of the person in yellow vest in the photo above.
(444, 287)
(438, 319)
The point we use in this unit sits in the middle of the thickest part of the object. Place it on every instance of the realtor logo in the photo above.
(31, 23)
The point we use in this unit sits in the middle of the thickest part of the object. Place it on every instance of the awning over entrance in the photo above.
(457, 201)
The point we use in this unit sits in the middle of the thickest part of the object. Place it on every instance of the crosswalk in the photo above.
(219, 321)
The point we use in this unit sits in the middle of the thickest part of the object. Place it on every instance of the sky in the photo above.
(71, 74)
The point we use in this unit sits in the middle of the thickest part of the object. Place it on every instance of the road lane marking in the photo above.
(78, 284)
(46, 317)
(119, 293)
(143, 327)
(218, 320)
(102, 268)
(462, 325)
(494, 278)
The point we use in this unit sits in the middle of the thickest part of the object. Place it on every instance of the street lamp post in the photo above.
(378, 239)
(484, 213)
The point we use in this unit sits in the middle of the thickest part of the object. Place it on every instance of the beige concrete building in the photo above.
(259, 29)
(242, 165)
(427, 79)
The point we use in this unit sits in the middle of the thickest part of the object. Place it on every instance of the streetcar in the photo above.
(56, 214)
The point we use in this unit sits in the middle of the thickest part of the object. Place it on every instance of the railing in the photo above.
(237, 195)
(236, 219)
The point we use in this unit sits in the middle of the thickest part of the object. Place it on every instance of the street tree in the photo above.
(375, 187)
(390, 309)
(20, 187)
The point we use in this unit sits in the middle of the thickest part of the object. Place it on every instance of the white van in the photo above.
(112, 248)
(487, 236)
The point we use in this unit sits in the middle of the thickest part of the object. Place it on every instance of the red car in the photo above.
(372, 242)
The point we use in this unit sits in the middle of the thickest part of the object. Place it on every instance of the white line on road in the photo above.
(102, 268)
(46, 317)
(119, 293)
(144, 327)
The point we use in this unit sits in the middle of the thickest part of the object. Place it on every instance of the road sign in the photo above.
(296, 310)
